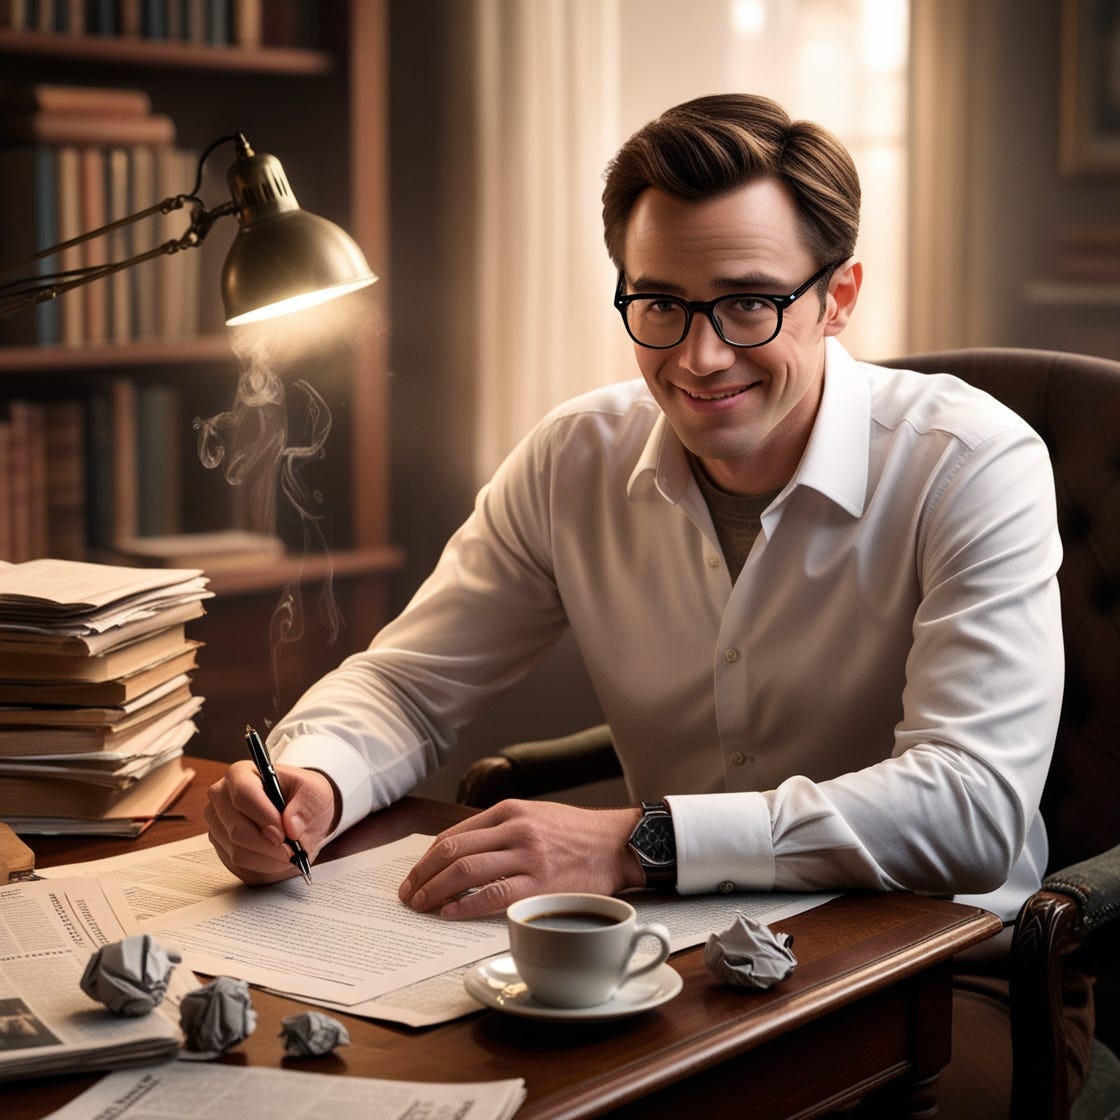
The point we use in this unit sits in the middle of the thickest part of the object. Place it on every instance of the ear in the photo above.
(843, 291)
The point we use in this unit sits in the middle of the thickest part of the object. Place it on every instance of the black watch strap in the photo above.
(654, 842)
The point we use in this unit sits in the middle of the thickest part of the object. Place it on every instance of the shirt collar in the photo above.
(835, 460)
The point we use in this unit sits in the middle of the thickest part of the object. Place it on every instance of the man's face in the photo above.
(745, 413)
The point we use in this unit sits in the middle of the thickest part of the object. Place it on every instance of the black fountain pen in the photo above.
(258, 752)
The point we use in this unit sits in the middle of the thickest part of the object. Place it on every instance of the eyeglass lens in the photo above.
(663, 322)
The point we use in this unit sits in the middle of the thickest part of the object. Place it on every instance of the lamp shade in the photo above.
(283, 258)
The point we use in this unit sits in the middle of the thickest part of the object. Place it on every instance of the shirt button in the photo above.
(738, 758)
(713, 561)
(726, 887)
(730, 655)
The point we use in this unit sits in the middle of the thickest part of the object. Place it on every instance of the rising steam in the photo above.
(250, 444)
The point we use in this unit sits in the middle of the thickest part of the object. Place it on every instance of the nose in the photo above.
(702, 351)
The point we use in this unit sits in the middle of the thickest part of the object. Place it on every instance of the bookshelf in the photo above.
(313, 94)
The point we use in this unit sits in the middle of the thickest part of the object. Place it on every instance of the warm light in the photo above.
(748, 18)
(300, 302)
(283, 257)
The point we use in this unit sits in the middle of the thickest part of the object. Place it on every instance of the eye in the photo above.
(745, 305)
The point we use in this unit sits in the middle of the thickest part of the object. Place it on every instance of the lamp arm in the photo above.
(26, 291)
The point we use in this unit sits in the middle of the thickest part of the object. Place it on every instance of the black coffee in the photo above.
(573, 919)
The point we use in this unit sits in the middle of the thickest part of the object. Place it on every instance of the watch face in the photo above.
(654, 840)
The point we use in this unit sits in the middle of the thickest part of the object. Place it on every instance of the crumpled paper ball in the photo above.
(129, 976)
(311, 1034)
(217, 1016)
(749, 954)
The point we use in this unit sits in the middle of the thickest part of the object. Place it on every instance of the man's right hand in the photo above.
(248, 833)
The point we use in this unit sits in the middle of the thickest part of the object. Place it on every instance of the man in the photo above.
(816, 598)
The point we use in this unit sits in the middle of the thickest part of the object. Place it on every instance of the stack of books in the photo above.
(96, 705)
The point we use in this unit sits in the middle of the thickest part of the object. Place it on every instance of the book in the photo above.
(70, 310)
(135, 735)
(118, 245)
(16, 665)
(117, 690)
(125, 462)
(74, 642)
(29, 224)
(94, 725)
(94, 214)
(64, 424)
(30, 473)
(159, 461)
(142, 194)
(47, 806)
(50, 97)
(23, 127)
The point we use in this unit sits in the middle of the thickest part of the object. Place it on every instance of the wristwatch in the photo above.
(655, 844)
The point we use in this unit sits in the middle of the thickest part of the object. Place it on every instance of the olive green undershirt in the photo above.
(737, 517)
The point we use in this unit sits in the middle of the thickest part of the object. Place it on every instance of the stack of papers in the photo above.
(96, 705)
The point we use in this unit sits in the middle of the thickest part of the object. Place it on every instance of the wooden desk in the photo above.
(869, 1003)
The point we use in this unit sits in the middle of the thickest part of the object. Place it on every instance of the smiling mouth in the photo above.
(727, 394)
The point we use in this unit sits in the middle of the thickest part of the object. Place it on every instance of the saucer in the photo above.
(495, 982)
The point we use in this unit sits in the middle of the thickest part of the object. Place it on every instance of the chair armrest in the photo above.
(541, 766)
(1095, 884)
(1070, 909)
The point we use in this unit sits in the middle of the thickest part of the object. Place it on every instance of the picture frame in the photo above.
(1090, 89)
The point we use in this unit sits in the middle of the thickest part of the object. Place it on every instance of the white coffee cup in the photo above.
(575, 950)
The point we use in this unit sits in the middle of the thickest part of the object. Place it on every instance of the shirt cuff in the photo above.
(723, 842)
(341, 763)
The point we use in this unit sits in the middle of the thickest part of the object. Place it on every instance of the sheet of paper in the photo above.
(161, 879)
(172, 1091)
(164, 880)
(345, 938)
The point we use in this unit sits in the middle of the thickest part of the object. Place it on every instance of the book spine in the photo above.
(95, 295)
(64, 423)
(70, 307)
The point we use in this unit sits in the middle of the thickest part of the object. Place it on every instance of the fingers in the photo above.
(248, 833)
(520, 848)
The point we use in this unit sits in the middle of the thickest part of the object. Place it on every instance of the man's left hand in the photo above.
(520, 848)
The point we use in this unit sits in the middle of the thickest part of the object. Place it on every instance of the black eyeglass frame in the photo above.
(707, 307)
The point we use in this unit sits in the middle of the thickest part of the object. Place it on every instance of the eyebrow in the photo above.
(753, 283)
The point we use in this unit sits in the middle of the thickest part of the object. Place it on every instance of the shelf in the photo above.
(310, 569)
(121, 52)
(22, 360)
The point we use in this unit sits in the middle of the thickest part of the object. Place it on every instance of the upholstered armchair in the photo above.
(1073, 402)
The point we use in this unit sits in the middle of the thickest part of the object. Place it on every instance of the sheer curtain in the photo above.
(554, 86)
(546, 125)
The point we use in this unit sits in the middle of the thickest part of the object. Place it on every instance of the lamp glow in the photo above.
(283, 258)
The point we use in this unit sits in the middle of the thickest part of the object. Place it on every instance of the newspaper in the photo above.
(48, 931)
(264, 1094)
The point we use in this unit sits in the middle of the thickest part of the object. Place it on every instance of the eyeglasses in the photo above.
(741, 319)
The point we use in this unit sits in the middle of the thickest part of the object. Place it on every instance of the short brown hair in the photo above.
(714, 144)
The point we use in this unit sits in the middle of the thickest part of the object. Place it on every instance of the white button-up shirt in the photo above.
(872, 704)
